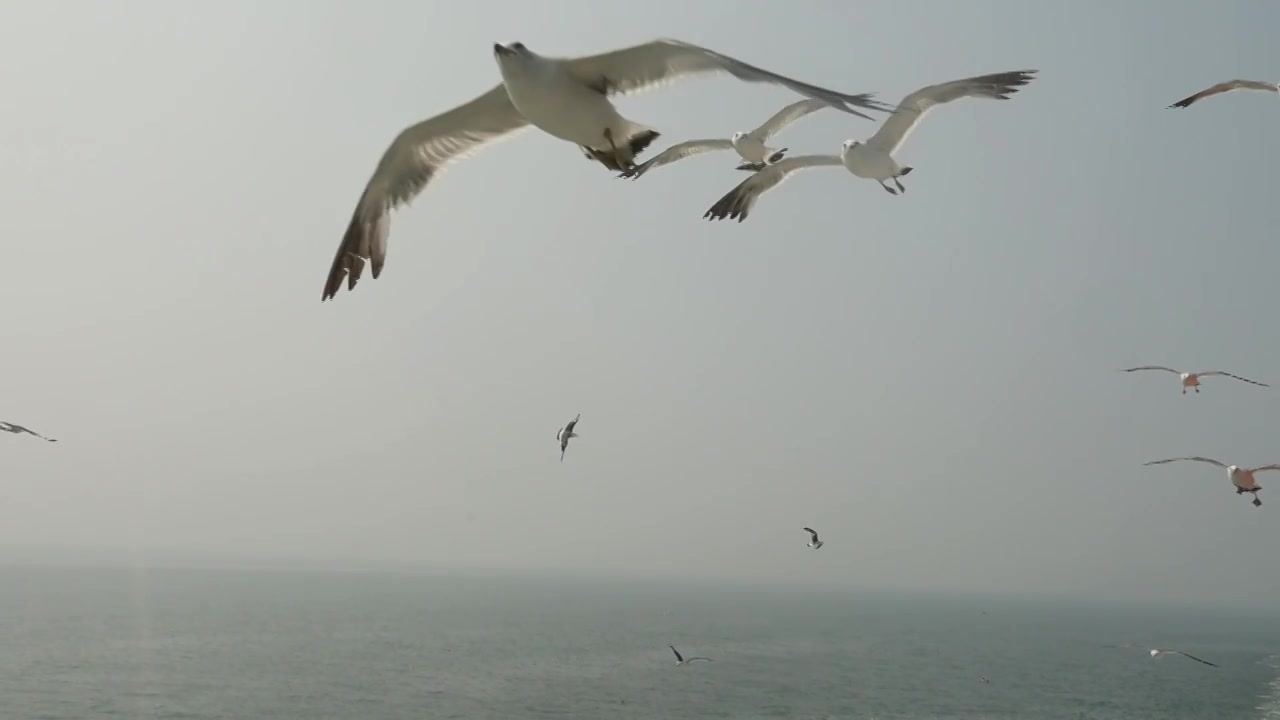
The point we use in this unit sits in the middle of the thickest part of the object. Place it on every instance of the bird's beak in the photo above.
(498, 49)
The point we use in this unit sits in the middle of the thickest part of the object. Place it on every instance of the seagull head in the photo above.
(509, 50)
(1233, 469)
(848, 145)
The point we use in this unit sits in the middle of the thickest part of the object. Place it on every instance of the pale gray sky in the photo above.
(929, 380)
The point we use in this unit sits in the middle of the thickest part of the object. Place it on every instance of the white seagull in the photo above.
(749, 145)
(1241, 477)
(18, 430)
(566, 432)
(1192, 380)
(567, 98)
(814, 542)
(874, 158)
(1157, 654)
(681, 660)
(1227, 86)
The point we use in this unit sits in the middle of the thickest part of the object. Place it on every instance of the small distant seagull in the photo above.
(565, 97)
(984, 680)
(566, 432)
(681, 660)
(1157, 654)
(1227, 86)
(1242, 478)
(814, 542)
(874, 158)
(750, 145)
(18, 430)
(1192, 380)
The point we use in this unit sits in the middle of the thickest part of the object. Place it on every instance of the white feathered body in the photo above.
(541, 90)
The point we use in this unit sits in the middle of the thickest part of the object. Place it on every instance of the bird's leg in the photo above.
(1184, 391)
(617, 156)
(888, 189)
(1197, 388)
(895, 182)
(1256, 501)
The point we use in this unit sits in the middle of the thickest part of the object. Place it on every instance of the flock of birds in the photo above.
(569, 98)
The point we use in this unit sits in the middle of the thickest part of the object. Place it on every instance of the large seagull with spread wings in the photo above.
(567, 98)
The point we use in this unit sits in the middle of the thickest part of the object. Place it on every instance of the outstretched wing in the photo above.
(785, 117)
(18, 429)
(416, 156)
(1154, 367)
(997, 86)
(737, 203)
(1193, 657)
(569, 428)
(1226, 87)
(1265, 467)
(677, 652)
(1197, 458)
(813, 533)
(676, 152)
(663, 61)
(1237, 377)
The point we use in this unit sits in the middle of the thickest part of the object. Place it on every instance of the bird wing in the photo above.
(1211, 461)
(1226, 87)
(1237, 377)
(18, 429)
(417, 155)
(786, 116)
(812, 532)
(1193, 657)
(677, 652)
(737, 203)
(699, 658)
(997, 86)
(659, 62)
(1264, 467)
(676, 152)
(569, 428)
(1154, 367)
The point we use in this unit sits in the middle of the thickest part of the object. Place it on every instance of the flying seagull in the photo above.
(1227, 86)
(1157, 654)
(814, 542)
(1192, 380)
(18, 430)
(1242, 478)
(566, 432)
(681, 660)
(874, 158)
(567, 98)
(749, 145)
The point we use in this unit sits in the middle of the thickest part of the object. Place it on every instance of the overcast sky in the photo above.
(930, 380)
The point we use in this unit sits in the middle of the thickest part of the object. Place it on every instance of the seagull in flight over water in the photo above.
(874, 158)
(18, 430)
(1157, 654)
(749, 145)
(1192, 380)
(1242, 478)
(566, 432)
(814, 542)
(1227, 86)
(565, 97)
(681, 660)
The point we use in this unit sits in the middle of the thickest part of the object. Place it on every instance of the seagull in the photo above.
(18, 430)
(1242, 478)
(681, 660)
(1157, 654)
(567, 98)
(566, 432)
(1227, 86)
(874, 158)
(750, 146)
(1192, 380)
(814, 542)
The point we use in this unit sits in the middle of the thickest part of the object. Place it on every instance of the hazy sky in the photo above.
(930, 380)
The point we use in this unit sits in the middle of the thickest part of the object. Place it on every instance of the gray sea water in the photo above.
(261, 645)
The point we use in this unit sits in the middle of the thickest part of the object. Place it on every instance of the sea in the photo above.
(185, 644)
